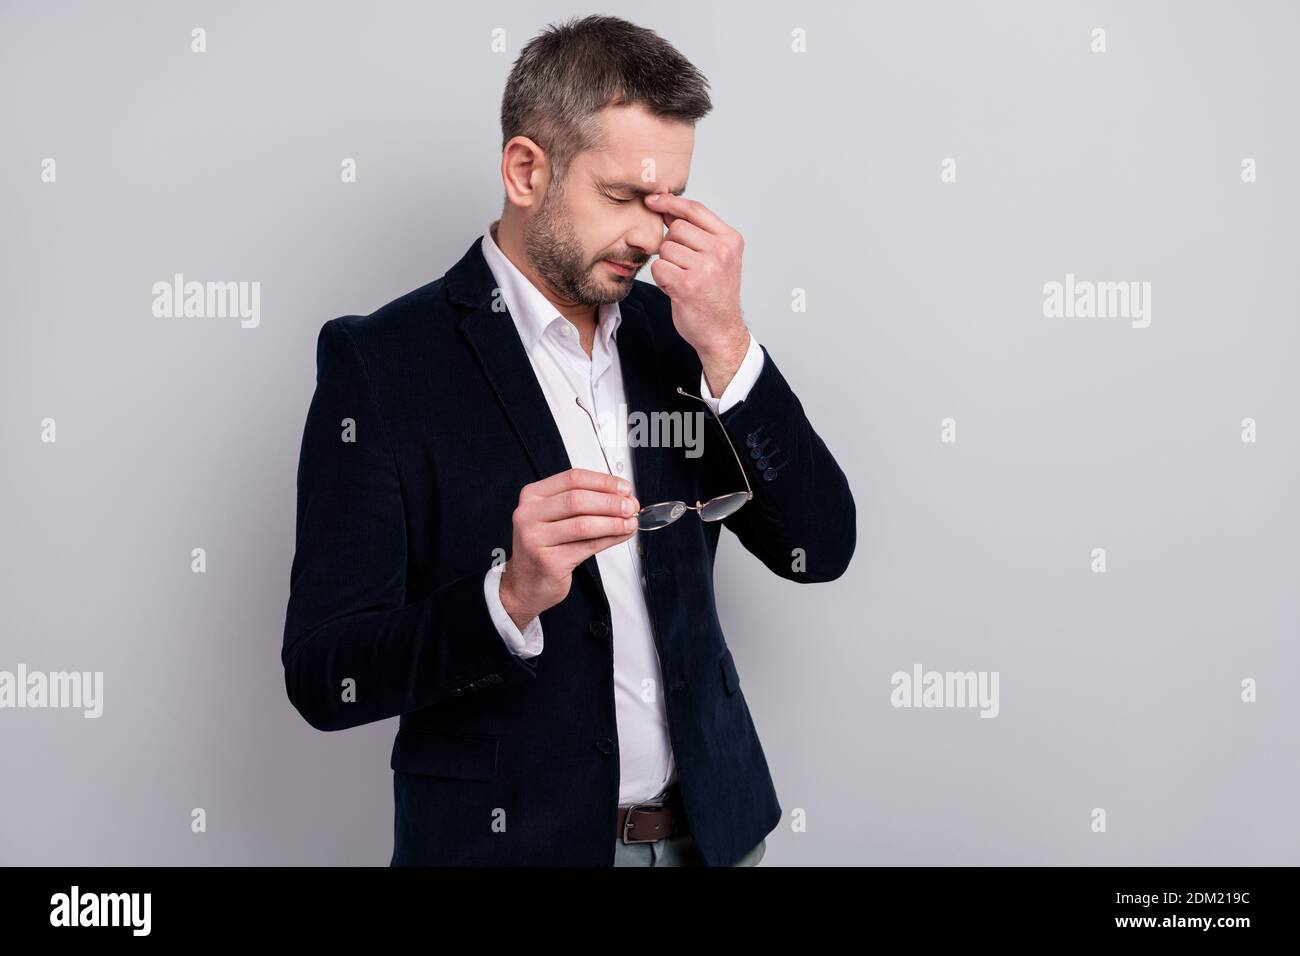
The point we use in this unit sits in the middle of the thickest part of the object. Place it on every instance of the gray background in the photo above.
(1118, 691)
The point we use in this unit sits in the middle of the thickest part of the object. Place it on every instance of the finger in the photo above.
(690, 235)
(582, 528)
(680, 256)
(667, 275)
(580, 501)
(579, 478)
(575, 554)
(688, 209)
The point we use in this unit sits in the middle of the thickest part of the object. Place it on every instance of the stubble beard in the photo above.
(556, 253)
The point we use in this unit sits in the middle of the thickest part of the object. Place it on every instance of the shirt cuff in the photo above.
(740, 383)
(525, 643)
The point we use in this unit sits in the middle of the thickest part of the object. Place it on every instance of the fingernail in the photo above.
(624, 488)
(627, 506)
(653, 197)
(629, 524)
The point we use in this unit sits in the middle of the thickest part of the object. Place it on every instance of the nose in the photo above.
(648, 233)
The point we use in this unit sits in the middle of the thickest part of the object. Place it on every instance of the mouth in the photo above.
(620, 268)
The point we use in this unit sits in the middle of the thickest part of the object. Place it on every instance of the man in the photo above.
(484, 550)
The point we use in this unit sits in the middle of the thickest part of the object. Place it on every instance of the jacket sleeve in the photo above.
(355, 650)
(802, 522)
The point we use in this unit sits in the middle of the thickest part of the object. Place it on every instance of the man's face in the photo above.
(598, 213)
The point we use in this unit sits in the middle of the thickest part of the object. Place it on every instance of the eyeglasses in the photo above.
(661, 515)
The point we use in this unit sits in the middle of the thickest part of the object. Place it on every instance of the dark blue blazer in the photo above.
(500, 760)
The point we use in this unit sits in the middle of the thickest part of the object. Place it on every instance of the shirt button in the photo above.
(618, 466)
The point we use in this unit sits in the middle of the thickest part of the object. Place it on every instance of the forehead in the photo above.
(642, 149)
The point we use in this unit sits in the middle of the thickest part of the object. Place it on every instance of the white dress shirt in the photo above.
(563, 370)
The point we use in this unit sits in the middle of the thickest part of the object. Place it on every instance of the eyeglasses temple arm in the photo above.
(735, 454)
(577, 401)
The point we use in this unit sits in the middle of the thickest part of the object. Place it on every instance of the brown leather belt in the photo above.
(647, 822)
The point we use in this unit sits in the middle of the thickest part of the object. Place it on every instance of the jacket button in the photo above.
(600, 628)
(605, 745)
(769, 475)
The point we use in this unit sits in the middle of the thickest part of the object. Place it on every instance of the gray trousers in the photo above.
(673, 851)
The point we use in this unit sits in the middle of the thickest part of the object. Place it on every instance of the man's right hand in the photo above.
(559, 522)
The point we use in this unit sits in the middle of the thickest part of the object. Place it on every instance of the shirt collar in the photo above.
(532, 311)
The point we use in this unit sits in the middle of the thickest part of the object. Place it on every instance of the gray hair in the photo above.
(568, 73)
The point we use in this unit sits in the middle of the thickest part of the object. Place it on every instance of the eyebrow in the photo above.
(633, 187)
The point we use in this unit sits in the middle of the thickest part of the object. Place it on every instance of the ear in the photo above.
(525, 172)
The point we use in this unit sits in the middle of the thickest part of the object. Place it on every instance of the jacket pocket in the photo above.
(730, 676)
(439, 754)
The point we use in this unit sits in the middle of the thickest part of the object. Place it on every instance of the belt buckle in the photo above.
(627, 822)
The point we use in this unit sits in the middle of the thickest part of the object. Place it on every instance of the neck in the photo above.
(508, 236)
